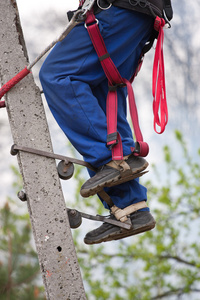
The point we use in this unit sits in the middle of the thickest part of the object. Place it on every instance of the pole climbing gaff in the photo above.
(78, 17)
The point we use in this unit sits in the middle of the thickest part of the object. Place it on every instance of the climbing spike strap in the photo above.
(158, 83)
(114, 81)
(122, 214)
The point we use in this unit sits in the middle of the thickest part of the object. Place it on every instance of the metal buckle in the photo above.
(96, 22)
(141, 3)
(103, 8)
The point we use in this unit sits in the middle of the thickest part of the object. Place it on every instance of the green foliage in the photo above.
(19, 268)
(160, 264)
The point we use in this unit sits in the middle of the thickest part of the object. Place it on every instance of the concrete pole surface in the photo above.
(46, 205)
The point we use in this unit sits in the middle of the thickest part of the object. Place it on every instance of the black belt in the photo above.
(153, 8)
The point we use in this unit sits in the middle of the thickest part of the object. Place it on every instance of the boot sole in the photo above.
(113, 181)
(124, 234)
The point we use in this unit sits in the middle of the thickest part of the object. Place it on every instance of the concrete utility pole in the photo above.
(46, 205)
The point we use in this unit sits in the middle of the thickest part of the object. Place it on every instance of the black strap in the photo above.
(167, 6)
(104, 196)
(168, 9)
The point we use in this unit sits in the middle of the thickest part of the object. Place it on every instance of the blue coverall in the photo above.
(76, 88)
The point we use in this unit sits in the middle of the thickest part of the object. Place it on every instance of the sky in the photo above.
(32, 6)
(33, 12)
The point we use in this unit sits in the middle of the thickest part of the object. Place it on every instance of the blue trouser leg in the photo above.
(76, 88)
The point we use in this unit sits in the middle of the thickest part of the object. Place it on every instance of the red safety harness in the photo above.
(115, 81)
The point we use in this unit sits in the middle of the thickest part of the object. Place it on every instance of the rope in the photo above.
(77, 18)
(12, 82)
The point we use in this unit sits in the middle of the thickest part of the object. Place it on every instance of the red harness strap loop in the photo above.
(158, 83)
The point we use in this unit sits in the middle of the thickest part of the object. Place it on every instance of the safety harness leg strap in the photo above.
(111, 111)
(143, 149)
(108, 66)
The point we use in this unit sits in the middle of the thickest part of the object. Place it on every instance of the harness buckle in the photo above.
(112, 140)
(96, 21)
(113, 88)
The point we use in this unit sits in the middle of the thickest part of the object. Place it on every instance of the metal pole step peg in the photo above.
(65, 170)
(75, 218)
(22, 196)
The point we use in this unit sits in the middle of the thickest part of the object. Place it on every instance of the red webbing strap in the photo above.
(113, 137)
(12, 82)
(133, 112)
(158, 83)
(143, 146)
(111, 113)
(108, 66)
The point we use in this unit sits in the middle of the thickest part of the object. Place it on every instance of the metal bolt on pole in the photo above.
(46, 205)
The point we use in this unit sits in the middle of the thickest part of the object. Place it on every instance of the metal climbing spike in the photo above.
(15, 149)
(75, 216)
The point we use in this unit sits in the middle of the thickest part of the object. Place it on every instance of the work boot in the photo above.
(141, 221)
(113, 173)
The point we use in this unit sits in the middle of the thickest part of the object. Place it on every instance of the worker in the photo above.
(76, 88)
